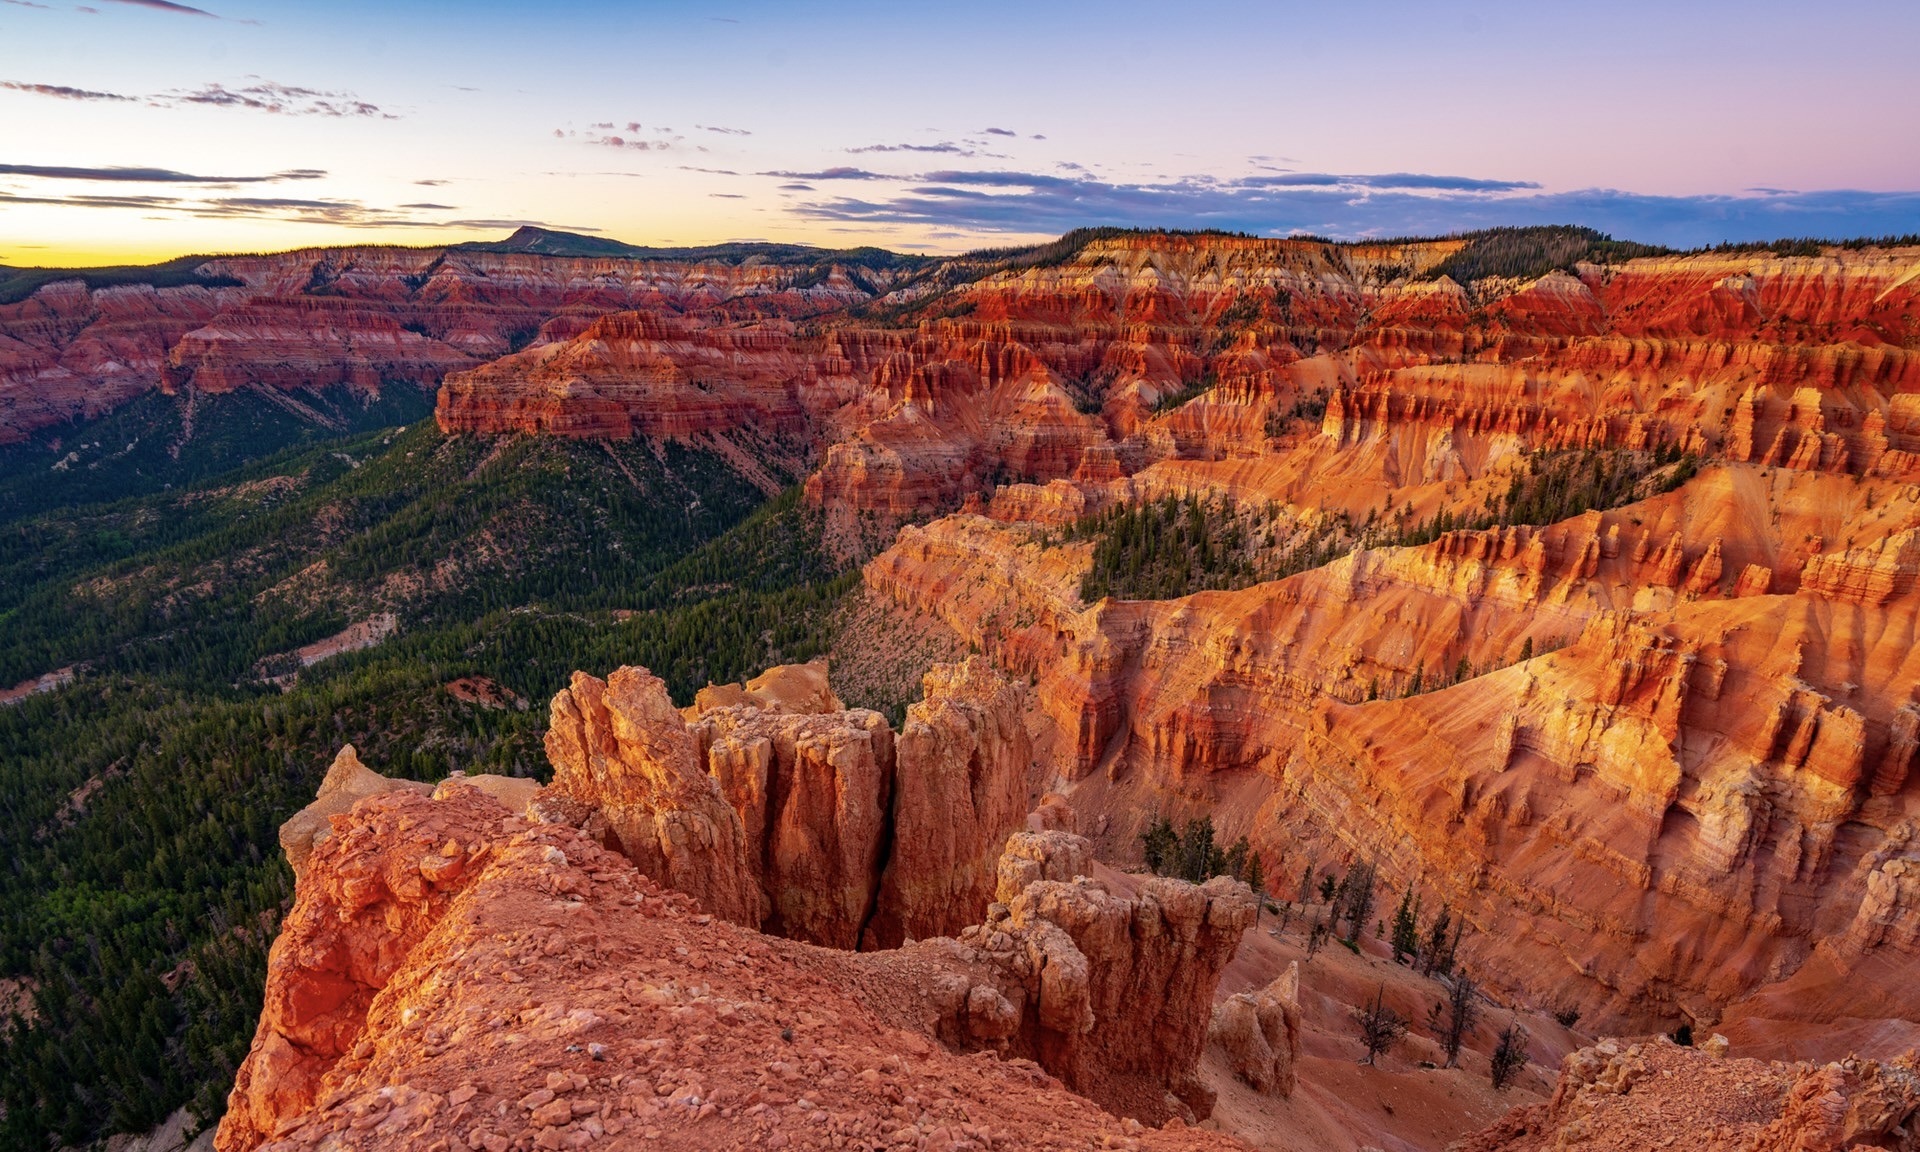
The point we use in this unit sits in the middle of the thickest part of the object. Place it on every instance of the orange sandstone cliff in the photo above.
(453, 975)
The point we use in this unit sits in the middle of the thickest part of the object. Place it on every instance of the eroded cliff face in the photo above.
(1661, 752)
(619, 748)
(456, 973)
(843, 834)
(1062, 372)
(1695, 784)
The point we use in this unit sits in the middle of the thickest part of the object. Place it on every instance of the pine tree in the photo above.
(1197, 858)
(1235, 862)
(1453, 945)
(1436, 941)
(1357, 899)
(1452, 1019)
(1380, 1026)
(1406, 927)
(1509, 1055)
(1317, 934)
(1159, 844)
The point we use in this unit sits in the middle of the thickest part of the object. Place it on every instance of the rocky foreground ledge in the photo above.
(491, 965)
(455, 976)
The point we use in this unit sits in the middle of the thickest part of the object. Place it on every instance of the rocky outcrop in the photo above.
(1260, 1033)
(1741, 764)
(965, 763)
(374, 891)
(618, 745)
(1111, 993)
(638, 374)
(347, 782)
(1873, 574)
(362, 319)
(814, 794)
(454, 976)
(1618, 1096)
(847, 835)
(1033, 856)
(802, 688)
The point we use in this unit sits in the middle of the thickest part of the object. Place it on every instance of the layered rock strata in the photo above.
(364, 319)
(618, 746)
(1657, 789)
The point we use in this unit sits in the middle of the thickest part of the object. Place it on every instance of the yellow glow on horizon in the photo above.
(45, 236)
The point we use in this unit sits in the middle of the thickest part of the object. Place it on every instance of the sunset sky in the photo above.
(134, 130)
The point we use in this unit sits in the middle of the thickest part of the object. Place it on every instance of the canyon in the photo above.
(1580, 602)
(359, 320)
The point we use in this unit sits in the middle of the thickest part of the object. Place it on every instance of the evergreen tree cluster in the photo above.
(1526, 253)
(1193, 854)
(1178, 545)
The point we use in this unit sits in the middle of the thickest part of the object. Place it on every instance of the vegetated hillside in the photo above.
(16, 284)
(158, 442)
(139, 807)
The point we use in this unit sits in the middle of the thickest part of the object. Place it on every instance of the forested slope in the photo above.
(139, 806)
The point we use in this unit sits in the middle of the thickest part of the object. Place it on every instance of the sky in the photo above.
(137, 130)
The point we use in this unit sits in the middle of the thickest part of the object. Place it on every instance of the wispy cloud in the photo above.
(62, 91)
(128, 175)
(1354, 206)
(723, 131)
(167, 6)
(260, 96)
(608, 134)
(284, 99)
(945, 146)
(291, 210)
(833, 174)
(999, 132)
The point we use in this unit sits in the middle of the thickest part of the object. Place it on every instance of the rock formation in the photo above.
(849, 836)
(361, 319)
(1109, 992)
(784, 688)
(454, 975)
(964, 763)
(1617, 1096)
(379, 888)
(1260, 1033)
(1740, 762)
(619, 746)
(813, 793)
